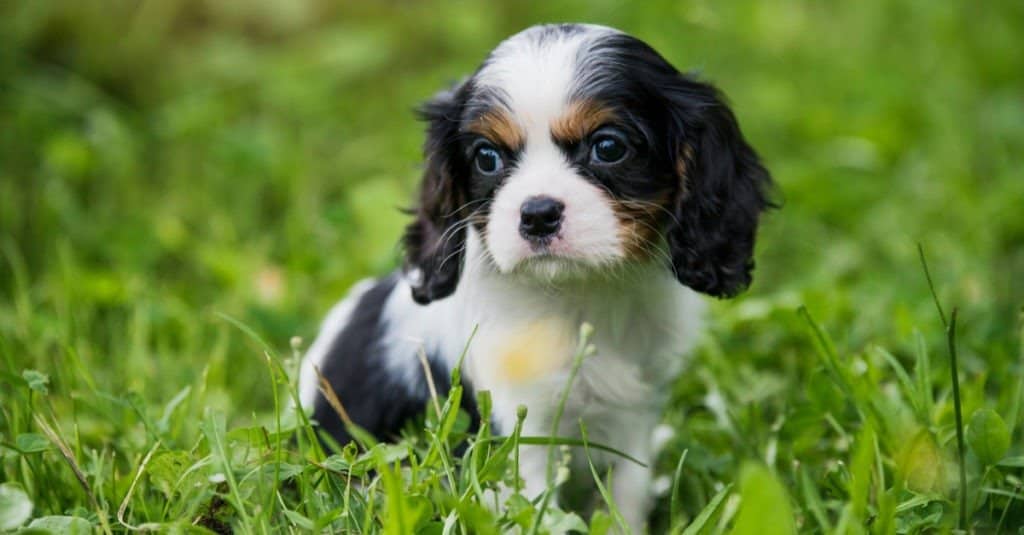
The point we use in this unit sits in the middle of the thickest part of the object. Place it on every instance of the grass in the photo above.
(186, 186)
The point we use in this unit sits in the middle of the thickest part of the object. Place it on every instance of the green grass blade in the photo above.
(213, 430)
(958, 412)
(705, 520)
(765, 508)
(677, 478)
(602, 489)
(812, 500)
(923, 377)
(583, 350)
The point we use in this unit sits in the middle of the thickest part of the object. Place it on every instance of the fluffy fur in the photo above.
(659, 198)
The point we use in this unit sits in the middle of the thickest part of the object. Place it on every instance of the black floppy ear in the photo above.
(434, 243)
(724, 190)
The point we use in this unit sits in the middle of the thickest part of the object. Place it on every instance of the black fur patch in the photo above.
(693, 138)
(355, 368)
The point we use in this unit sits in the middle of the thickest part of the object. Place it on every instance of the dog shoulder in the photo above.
(368, 351)
(330, 329)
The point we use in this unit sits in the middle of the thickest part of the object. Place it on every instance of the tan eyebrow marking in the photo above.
(497, 126)
(580, 119)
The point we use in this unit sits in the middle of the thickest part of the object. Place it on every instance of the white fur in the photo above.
(535, 75)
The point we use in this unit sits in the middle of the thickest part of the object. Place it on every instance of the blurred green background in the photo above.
(165, 161)
(162, 160)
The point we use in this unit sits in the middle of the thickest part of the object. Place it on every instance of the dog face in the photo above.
(578, 149)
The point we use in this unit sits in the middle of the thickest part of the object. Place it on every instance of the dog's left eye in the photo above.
(608, 148)
(488, 160)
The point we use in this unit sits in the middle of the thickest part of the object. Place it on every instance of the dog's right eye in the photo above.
(488, 160)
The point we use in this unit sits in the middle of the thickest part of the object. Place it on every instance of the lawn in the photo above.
(187, 186)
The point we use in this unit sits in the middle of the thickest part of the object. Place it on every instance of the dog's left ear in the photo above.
(434, 242)
(724, 190)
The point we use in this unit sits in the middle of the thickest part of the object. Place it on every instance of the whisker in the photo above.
(642, 203)
(451, 255)
(648, 246)
(466, 205)
(473, 217)
(450, 232)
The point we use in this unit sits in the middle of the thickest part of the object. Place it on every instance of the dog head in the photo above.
(575, 149)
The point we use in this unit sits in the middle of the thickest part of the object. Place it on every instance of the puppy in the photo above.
(575, 177)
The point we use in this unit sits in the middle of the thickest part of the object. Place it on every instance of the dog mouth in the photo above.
(557, 258)
(546, 264)
(542, 247)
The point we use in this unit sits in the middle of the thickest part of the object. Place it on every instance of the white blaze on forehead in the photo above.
(534, 71)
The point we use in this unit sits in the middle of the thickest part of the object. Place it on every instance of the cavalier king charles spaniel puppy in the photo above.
(575, 177)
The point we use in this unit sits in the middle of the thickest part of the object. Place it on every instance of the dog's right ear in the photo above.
(435, 241)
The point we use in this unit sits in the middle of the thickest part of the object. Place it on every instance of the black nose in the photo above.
(540, 217)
